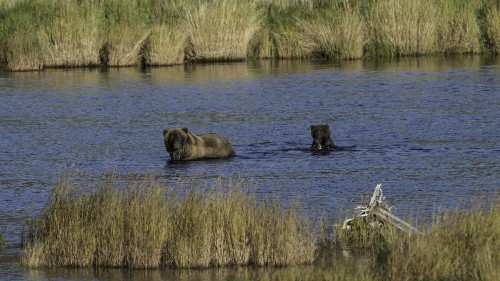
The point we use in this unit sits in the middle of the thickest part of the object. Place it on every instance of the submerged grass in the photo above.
(35, 34)
(149, 225)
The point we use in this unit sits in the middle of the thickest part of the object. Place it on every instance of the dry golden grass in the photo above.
(149, 225)
(458, 27)
(336, 35)
(492, 28)
(72, 37)
(221, 30)
(397, 28)
(459, 245)
(166, 45)
(462, 245)
(35, 34)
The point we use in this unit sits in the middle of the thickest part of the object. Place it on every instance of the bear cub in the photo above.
(322, 138)
(183, 145)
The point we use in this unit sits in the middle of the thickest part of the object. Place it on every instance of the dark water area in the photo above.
(427, 129)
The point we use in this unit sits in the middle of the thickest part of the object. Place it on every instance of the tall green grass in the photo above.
(146, 224)
(401, 28)
(149, 225)
(166, 45)
(35, 34)
(71, 35)
(491, 25)
(459, 245)
(19, 35)
(221, 29)
(458, 27)
(336, 33)
(462, 245)
(279, 36)
(126, 30)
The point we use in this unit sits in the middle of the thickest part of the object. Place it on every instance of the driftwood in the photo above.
(380, 212)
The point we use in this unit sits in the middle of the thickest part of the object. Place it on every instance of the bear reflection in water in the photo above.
(183, 145)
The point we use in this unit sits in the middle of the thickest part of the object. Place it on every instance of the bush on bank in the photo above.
(35, 34)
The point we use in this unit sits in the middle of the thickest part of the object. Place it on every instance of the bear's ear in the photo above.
(327, 126)
(165, 131)
(185, 130)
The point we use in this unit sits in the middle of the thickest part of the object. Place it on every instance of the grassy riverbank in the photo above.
(35, 34)
(146, 224)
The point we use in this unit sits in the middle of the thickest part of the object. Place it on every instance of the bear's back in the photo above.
(216, 145)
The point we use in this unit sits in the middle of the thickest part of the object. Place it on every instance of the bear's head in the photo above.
(321, 136)
(175, 138)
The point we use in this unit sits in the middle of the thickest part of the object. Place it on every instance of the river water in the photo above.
(426, 128)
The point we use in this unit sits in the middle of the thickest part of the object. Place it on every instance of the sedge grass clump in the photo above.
(126, 30)
(149, 225)
(36, 34)
(280, 33)
(335, 33)
(72, 35)
(360, 234)
(463, 245)
(491, 26)
(165, 45)
(19, 44)
(221, 30)
(400, 28)
(458, 27)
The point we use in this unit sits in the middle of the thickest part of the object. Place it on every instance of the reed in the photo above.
(459, 245)
(35, 34)
(18, 35)
(462, 245)
(458, 27)
(126, 29)
(149, 225)
(279, 36)
(221, 30)
(491, 26)
(2, 238)
(165, 45)
(337, 33)
(71, 36)
(401, 28)
(360, 236)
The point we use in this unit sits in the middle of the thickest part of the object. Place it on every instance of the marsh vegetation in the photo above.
(149, 224)
(35, 34)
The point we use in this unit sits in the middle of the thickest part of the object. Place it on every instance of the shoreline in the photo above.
(36, 35)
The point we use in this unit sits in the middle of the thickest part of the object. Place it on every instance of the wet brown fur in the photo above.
(183, 145)
(321, 136)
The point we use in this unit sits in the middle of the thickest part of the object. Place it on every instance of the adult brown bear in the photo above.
(322, 138)
(184, 145)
